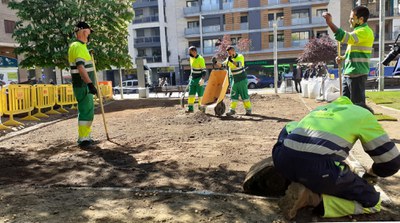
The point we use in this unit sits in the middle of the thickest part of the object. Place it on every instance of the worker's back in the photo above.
(333, 129)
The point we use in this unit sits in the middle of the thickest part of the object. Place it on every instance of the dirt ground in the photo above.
(161, 165)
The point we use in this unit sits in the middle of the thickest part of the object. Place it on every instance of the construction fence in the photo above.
(23, 99)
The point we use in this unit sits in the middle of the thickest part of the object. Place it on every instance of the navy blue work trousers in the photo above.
(322, 174)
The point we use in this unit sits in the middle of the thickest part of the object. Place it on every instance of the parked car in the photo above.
(128, 86)
(265, 81)
(252, 81)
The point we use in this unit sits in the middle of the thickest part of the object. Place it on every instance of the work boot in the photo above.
(297, 196)
(85, 143)
(230, 113)
(202, 109)
(248, 112)
(190, 109)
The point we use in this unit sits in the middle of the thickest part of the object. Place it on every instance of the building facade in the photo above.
(8, 59)
(183, 23)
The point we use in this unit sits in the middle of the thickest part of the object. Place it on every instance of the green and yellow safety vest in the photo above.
(198, 66)
(333, 129)
(359, 49)
(78, 54)
(238, 72)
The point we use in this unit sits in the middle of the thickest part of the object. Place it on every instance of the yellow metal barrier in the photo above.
(2, 102)
(44, 97)
(18, 101)
(106, 91)
(65, 97)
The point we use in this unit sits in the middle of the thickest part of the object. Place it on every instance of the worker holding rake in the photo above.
(82, 73)
(198, 74)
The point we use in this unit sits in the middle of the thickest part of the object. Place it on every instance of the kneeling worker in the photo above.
(311, 154)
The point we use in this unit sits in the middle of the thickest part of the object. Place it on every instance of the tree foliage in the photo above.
(46, 28)
(319, 50)
(242, 46)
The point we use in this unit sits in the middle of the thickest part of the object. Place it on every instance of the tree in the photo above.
(243, 45)
(46, 28)
(319, 50)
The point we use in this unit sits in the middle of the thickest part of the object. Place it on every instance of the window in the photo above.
(320, 11)
(155, 32)
(210, 43)
(140, 32)
(280, 38)
(243, 19)
(192, 3)
(156, 51)
(129, 83)
(301, 35)
(279, 16)
(193, 24)
(322, 33)
(9, 26)
(194, 43)
(141, 53)
(271, 16)
(154, 11)
(299, 14)
(138, 13)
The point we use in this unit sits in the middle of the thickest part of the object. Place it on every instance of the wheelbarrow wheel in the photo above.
(220, 109)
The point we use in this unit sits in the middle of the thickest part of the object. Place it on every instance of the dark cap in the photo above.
(192, 48)
(82, 25)
(230, 48)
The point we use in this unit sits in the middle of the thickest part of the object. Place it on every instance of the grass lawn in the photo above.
(386, 98)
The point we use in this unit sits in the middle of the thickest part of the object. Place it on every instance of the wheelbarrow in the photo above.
(215, 91)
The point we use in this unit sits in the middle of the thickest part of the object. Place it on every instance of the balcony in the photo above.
(300, 21)
(210, 8)
(143, 42)
(279, 23)
(244, 26)
(374, 13)
(192, 31)
(299, 43)
(280, 44)
(153, 59)
(209, 50)
(274, 2)
(318, 20)
(145, 3)
(227, 6)
(191, 10)
(145, 19)
(299, 1)
(391, 36)
(211, 29)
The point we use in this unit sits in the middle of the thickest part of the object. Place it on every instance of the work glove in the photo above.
(230, 59)
(201, 82)
(214, 60)
(370, 177)
(92, 89)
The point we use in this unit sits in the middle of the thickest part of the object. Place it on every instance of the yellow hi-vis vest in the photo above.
(198, 66)
(359, 49)
(236, 71)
